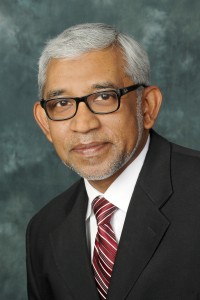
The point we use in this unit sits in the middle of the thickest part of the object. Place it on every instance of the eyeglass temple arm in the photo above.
(42, 103)
(126, 90)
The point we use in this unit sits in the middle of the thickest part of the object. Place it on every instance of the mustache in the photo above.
(89, 139)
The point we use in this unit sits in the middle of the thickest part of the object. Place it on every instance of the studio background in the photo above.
(30, 173)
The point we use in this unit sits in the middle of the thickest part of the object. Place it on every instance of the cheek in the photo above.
(124, 132)
(59, 136)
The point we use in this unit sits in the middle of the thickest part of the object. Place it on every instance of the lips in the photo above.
(89, 149)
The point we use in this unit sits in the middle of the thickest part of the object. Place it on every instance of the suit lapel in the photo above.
(70, 249)
(145, 225)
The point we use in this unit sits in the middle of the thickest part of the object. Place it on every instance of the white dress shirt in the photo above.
(119, 193)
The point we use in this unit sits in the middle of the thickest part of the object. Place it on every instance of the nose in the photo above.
(84, 120)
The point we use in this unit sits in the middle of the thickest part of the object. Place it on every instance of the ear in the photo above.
(42, 120)
(152, 99)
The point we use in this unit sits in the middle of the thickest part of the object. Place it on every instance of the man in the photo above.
(130, 227)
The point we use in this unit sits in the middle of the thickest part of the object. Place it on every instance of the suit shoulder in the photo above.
(185, 154)
(55, 210)
(185, 167)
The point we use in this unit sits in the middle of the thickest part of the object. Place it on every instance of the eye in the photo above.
(106, 96)
(58, 104)
(64, 102)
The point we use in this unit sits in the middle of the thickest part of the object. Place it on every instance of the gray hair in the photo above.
(83, 38)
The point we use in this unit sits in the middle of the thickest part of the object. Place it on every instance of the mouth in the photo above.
(90, 149)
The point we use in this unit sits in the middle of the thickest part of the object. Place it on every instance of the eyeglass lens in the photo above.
(101, 102)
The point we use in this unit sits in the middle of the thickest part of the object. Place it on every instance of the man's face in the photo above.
(95, 146)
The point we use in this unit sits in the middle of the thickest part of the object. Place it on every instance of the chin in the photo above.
(100, 172)
(94, 175)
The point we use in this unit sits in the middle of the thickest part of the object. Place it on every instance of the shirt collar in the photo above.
(120, 191)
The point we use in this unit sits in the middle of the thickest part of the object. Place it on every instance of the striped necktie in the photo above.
(105, 245)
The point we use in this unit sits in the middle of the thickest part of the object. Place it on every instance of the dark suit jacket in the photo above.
(158, 256)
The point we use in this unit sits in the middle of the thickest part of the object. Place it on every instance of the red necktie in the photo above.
(105, 245)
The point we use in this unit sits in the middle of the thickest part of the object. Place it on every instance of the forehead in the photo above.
(110, 57)
(97, 66)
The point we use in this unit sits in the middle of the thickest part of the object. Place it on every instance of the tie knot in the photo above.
(103, 210)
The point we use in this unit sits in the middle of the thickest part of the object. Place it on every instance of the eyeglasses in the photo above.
(103, 102)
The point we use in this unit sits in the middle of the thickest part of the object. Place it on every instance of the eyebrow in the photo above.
(95, 86)
(104, 85)
(55, 93)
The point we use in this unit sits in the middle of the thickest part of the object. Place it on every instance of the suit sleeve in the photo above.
(32, 288)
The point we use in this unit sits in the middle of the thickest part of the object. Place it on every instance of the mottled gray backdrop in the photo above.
(30, 173)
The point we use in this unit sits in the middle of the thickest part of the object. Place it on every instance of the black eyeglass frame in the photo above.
(119, 92)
